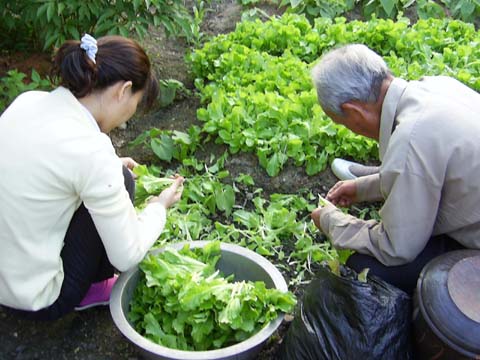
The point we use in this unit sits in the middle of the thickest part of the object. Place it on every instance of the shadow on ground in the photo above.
(85, 335)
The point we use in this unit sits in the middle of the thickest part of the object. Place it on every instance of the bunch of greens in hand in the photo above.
(182, 302)
(148, 184)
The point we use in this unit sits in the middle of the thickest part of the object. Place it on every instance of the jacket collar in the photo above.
(389, 109)
(72, 101)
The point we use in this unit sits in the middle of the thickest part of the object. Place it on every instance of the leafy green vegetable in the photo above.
(181, 301)
(147, 184)
(321, 200)
(334, 266)
(277, 226)
(258, 96)
(362, 277)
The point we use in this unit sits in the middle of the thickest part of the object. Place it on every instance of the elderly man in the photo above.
(429, 178)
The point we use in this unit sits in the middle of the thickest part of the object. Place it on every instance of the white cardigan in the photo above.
(52, 158)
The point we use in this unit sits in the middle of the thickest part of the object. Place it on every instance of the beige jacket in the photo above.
(429, 176)
(52, 159)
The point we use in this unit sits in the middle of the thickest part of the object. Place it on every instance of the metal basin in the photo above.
(244, 264)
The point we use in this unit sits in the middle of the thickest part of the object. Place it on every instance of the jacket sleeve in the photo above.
(406, 226)
(126, 235)
(368, 188)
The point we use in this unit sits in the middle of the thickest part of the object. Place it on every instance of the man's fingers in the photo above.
(332, 196)
(334, 201)
(333, 192)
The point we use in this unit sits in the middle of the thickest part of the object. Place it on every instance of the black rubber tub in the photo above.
(446, 317)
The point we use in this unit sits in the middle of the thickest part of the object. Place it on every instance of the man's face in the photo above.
(359, 119)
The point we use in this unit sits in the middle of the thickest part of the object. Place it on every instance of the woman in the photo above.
(66, 213)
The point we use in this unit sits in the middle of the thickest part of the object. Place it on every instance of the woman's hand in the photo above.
(128, 162)
(343, 193)
(172, 194)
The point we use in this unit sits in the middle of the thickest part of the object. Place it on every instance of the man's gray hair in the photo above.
(351, 72)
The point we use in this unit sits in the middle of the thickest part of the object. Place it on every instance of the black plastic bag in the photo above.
(344, 318)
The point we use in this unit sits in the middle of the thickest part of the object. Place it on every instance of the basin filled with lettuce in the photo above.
(201, 300)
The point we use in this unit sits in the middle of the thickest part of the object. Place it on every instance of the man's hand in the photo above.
(317, 213)
(343, 193)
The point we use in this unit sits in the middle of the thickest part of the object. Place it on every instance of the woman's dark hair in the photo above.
(118, 58)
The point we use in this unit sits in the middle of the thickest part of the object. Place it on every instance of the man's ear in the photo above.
(354, 109)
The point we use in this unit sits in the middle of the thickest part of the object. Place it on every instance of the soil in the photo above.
(91, 334)
(25, 62)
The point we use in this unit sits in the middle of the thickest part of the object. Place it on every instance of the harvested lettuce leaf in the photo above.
(181, 301)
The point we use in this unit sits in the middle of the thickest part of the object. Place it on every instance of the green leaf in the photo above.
(163, 147)
(42, 10)
(182, 302)
(50, 11)
(334, 266)
(388, 6)
(275, 163)
(153, 329)
(467, 9)
(295, 3)
(49, 41)
(245, 179)
(362, 277)
(225, 198)
(35, 76)
(74, 34)
(248, 219)
(60, 8)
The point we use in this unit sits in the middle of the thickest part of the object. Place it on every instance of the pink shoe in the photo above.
(98, 294)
